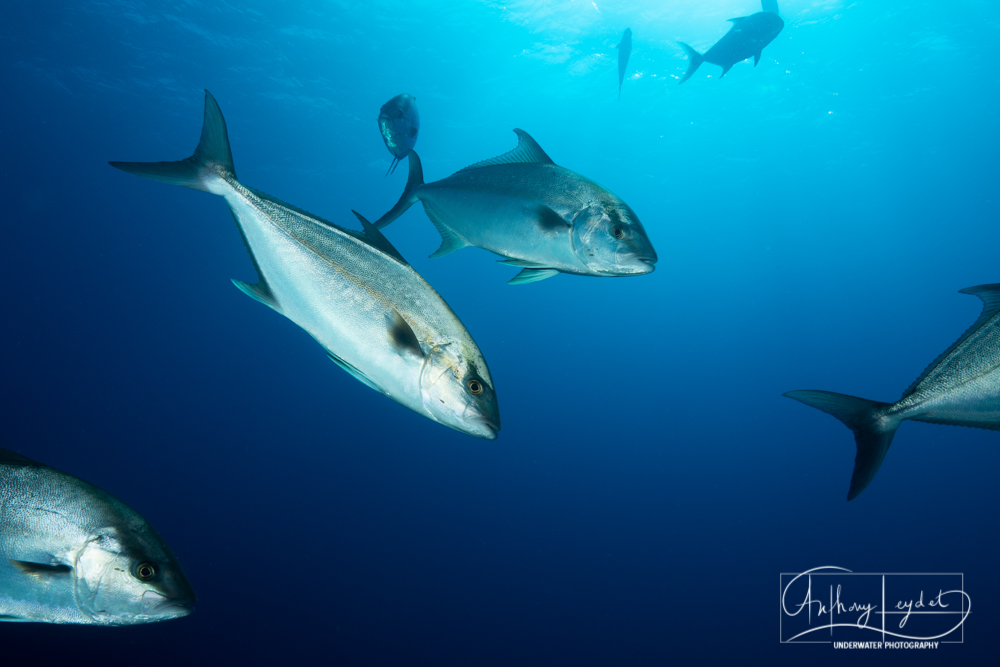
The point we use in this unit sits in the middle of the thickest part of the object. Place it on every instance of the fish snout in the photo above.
(637, 263)
(480, 425)
(155, 604)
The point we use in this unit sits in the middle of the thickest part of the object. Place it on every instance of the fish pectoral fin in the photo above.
(6, 618)
(401, 335)
(548, 220)
(354, 372)
(738, 20)
(259, 292)
(532, 276)
(725, 68)
(756, 58)
(527, 152)
(41, 570)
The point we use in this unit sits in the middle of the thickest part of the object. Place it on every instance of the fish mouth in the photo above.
(154, 604)
(482, 427)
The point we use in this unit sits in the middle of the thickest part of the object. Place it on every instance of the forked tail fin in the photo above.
(873, 431)
(413, 181)
(211, 158)
(695, 60)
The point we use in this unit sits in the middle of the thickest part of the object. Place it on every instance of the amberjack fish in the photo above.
(375, 316)
(624, 51)
(72, 553)
(399, 123)
(748, 37)
(960, 388)
(542, 217)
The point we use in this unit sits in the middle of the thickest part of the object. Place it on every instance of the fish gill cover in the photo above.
(813, 218)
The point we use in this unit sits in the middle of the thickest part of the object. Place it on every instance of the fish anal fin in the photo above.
(450, 241)
(401, 335)
(41, 570)
(990, 295)
(527, 152)
(354, 372)
(532, 276)
(725, 68)
(258, 292)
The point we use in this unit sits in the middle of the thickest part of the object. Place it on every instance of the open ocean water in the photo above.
(814, 219)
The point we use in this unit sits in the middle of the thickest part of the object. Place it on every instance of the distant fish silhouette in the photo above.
(624, 51)
(748, 37)
(399, 123)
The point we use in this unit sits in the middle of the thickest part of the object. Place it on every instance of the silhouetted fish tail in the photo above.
(873, 429)
(695, 60)
(408, 198)
(211, 158)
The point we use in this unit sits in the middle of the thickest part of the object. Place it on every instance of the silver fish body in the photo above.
(959, 388)
(72, 553)
(376, 317)
(540, 216)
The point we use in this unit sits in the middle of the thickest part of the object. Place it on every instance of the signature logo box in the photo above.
(877, 609)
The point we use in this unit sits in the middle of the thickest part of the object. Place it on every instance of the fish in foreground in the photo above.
(748, 37)
(72, 553)
(377, 318)
(624, 51)
(960, 388)
(399, 123)
(543, 218)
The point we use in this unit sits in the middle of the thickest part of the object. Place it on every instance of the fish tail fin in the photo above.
(408, 198)
(695, 60)
(873, 431)
(211, 159)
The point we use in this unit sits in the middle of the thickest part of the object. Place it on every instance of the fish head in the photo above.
(457, 391)
(399, 123)
(610, 241)
(126, 578)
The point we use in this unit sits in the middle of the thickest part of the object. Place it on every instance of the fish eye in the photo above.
(145, 571)
(475, 387)
(618, 232)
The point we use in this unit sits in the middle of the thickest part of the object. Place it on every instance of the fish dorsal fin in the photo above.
(990, 294)
(377, 239)
(769, 6)
(527, 152)
(10, 458)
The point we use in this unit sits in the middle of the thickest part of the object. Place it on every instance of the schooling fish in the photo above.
(624, 51)
(748, 37)
(377, 318)
(542, 217)
(960, 388)
(399, 123)
(72, 553)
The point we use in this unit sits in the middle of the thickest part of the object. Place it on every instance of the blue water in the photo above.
(814, 218)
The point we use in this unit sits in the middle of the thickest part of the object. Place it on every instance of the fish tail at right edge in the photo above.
(873, 430)
(695, 60)
(413, 181)
(211, 159)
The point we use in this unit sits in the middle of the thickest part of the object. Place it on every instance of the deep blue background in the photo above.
(814, 219)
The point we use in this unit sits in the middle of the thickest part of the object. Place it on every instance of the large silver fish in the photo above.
(353, 292)
(960, 388)
(71, 553)
(542, 217)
